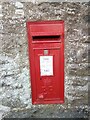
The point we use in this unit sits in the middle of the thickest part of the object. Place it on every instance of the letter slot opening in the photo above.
(46, 38)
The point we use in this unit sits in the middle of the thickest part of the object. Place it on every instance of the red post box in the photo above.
(46, 56)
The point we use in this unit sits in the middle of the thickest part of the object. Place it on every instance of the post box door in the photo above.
(48, 72)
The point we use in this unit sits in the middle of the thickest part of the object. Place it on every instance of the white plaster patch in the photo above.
(0, 6)
(18, 5)
(1, 15)
(19, 12)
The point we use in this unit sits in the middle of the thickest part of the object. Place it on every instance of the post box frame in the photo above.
(32, 31)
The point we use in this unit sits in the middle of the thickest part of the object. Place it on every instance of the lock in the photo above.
(46, 52)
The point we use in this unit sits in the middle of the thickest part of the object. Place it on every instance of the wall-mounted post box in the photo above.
(46, 56)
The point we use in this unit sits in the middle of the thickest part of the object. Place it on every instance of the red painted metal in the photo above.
(46, 39)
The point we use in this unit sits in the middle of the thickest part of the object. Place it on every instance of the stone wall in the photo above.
(15, 90)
